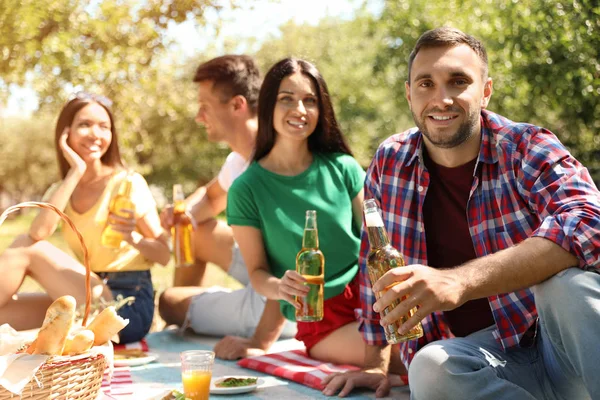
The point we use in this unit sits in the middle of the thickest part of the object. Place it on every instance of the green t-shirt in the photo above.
(277, 205)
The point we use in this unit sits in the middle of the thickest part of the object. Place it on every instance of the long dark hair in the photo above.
(327, 137)
(112, 156)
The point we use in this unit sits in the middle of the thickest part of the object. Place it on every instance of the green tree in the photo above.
(27, 174)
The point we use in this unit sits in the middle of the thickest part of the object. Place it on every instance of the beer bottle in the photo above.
(310, 263)
(182, 230)
(122, 201)
(381, 258)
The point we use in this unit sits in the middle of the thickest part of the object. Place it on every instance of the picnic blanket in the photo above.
(120, 384)
(297, 366)
(150, 380)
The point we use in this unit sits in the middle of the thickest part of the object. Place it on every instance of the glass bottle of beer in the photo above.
(122, 201)
(383, 257)
(182, 230)
(310, 263)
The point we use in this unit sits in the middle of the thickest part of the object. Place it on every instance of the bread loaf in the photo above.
(106, 325)
(57, 323)
(78, 343)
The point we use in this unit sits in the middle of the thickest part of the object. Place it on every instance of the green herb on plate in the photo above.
(237, 382)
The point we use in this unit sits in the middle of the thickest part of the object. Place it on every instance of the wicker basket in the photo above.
(63, 377)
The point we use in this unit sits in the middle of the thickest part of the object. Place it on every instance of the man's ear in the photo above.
(407, 93)
(488, 89)
(239, 103)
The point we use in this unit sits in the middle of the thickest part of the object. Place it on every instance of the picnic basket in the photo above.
(63, 377)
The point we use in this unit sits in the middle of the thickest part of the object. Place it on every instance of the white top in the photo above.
(232, 168)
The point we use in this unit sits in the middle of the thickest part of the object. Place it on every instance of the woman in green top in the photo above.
(302, 162)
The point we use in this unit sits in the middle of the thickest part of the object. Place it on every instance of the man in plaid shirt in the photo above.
(500, 228)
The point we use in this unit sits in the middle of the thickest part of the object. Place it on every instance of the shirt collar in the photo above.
(488, 152)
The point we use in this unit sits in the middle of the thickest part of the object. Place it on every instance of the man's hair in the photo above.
(448, 37)
(232, 75)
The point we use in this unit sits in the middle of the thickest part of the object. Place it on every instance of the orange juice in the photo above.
(196, 384)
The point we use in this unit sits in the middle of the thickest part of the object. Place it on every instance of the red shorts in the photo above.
(337, 312)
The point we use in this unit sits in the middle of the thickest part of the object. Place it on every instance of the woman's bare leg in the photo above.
(334, 347)
(25, 310)
(57, 272)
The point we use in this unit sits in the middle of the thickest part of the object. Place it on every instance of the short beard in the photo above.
(465, 132)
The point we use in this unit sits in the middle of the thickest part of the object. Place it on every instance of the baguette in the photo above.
(57, 323)
(79, 343)
(106, 325)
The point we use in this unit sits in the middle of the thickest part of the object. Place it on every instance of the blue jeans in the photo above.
(140, 314)
(561, 365)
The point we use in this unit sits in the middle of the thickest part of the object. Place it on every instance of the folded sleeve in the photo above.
(561, 191)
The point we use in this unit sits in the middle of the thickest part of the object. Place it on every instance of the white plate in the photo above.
(132, 362)
(234, 390)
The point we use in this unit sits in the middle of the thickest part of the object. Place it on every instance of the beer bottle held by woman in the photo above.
(381, 258)
(310, 263)
(182, 230)
(112, 238)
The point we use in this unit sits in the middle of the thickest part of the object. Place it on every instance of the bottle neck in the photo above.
(378, 237)
(125, 188)
(178, 199)
(178, 193)
(310, 240)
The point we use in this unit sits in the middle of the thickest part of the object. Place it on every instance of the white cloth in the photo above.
(221, 311)
(233, 167)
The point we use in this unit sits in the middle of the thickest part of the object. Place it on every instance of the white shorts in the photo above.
(221, 311)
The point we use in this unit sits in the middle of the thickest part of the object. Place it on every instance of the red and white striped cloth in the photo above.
(120, 384)
(296, 366)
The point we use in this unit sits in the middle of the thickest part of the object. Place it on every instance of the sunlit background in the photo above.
(544, 58)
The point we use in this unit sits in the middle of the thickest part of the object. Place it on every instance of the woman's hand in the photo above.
(291, 285)
(75, 161)
(124, 223)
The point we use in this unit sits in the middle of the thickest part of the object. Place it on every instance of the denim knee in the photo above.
(427, 376)
(140, 313)
(564, 297)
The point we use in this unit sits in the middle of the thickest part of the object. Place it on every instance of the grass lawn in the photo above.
(162, 277)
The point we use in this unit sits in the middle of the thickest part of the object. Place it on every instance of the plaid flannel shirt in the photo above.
(525, 184)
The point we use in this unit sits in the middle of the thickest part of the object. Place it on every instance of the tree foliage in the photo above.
(103, 45)
(22, 178)
(543, 54)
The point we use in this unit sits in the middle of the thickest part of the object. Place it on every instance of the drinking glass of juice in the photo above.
(196, 371)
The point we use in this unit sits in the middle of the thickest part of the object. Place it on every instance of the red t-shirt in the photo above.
(448, 238)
